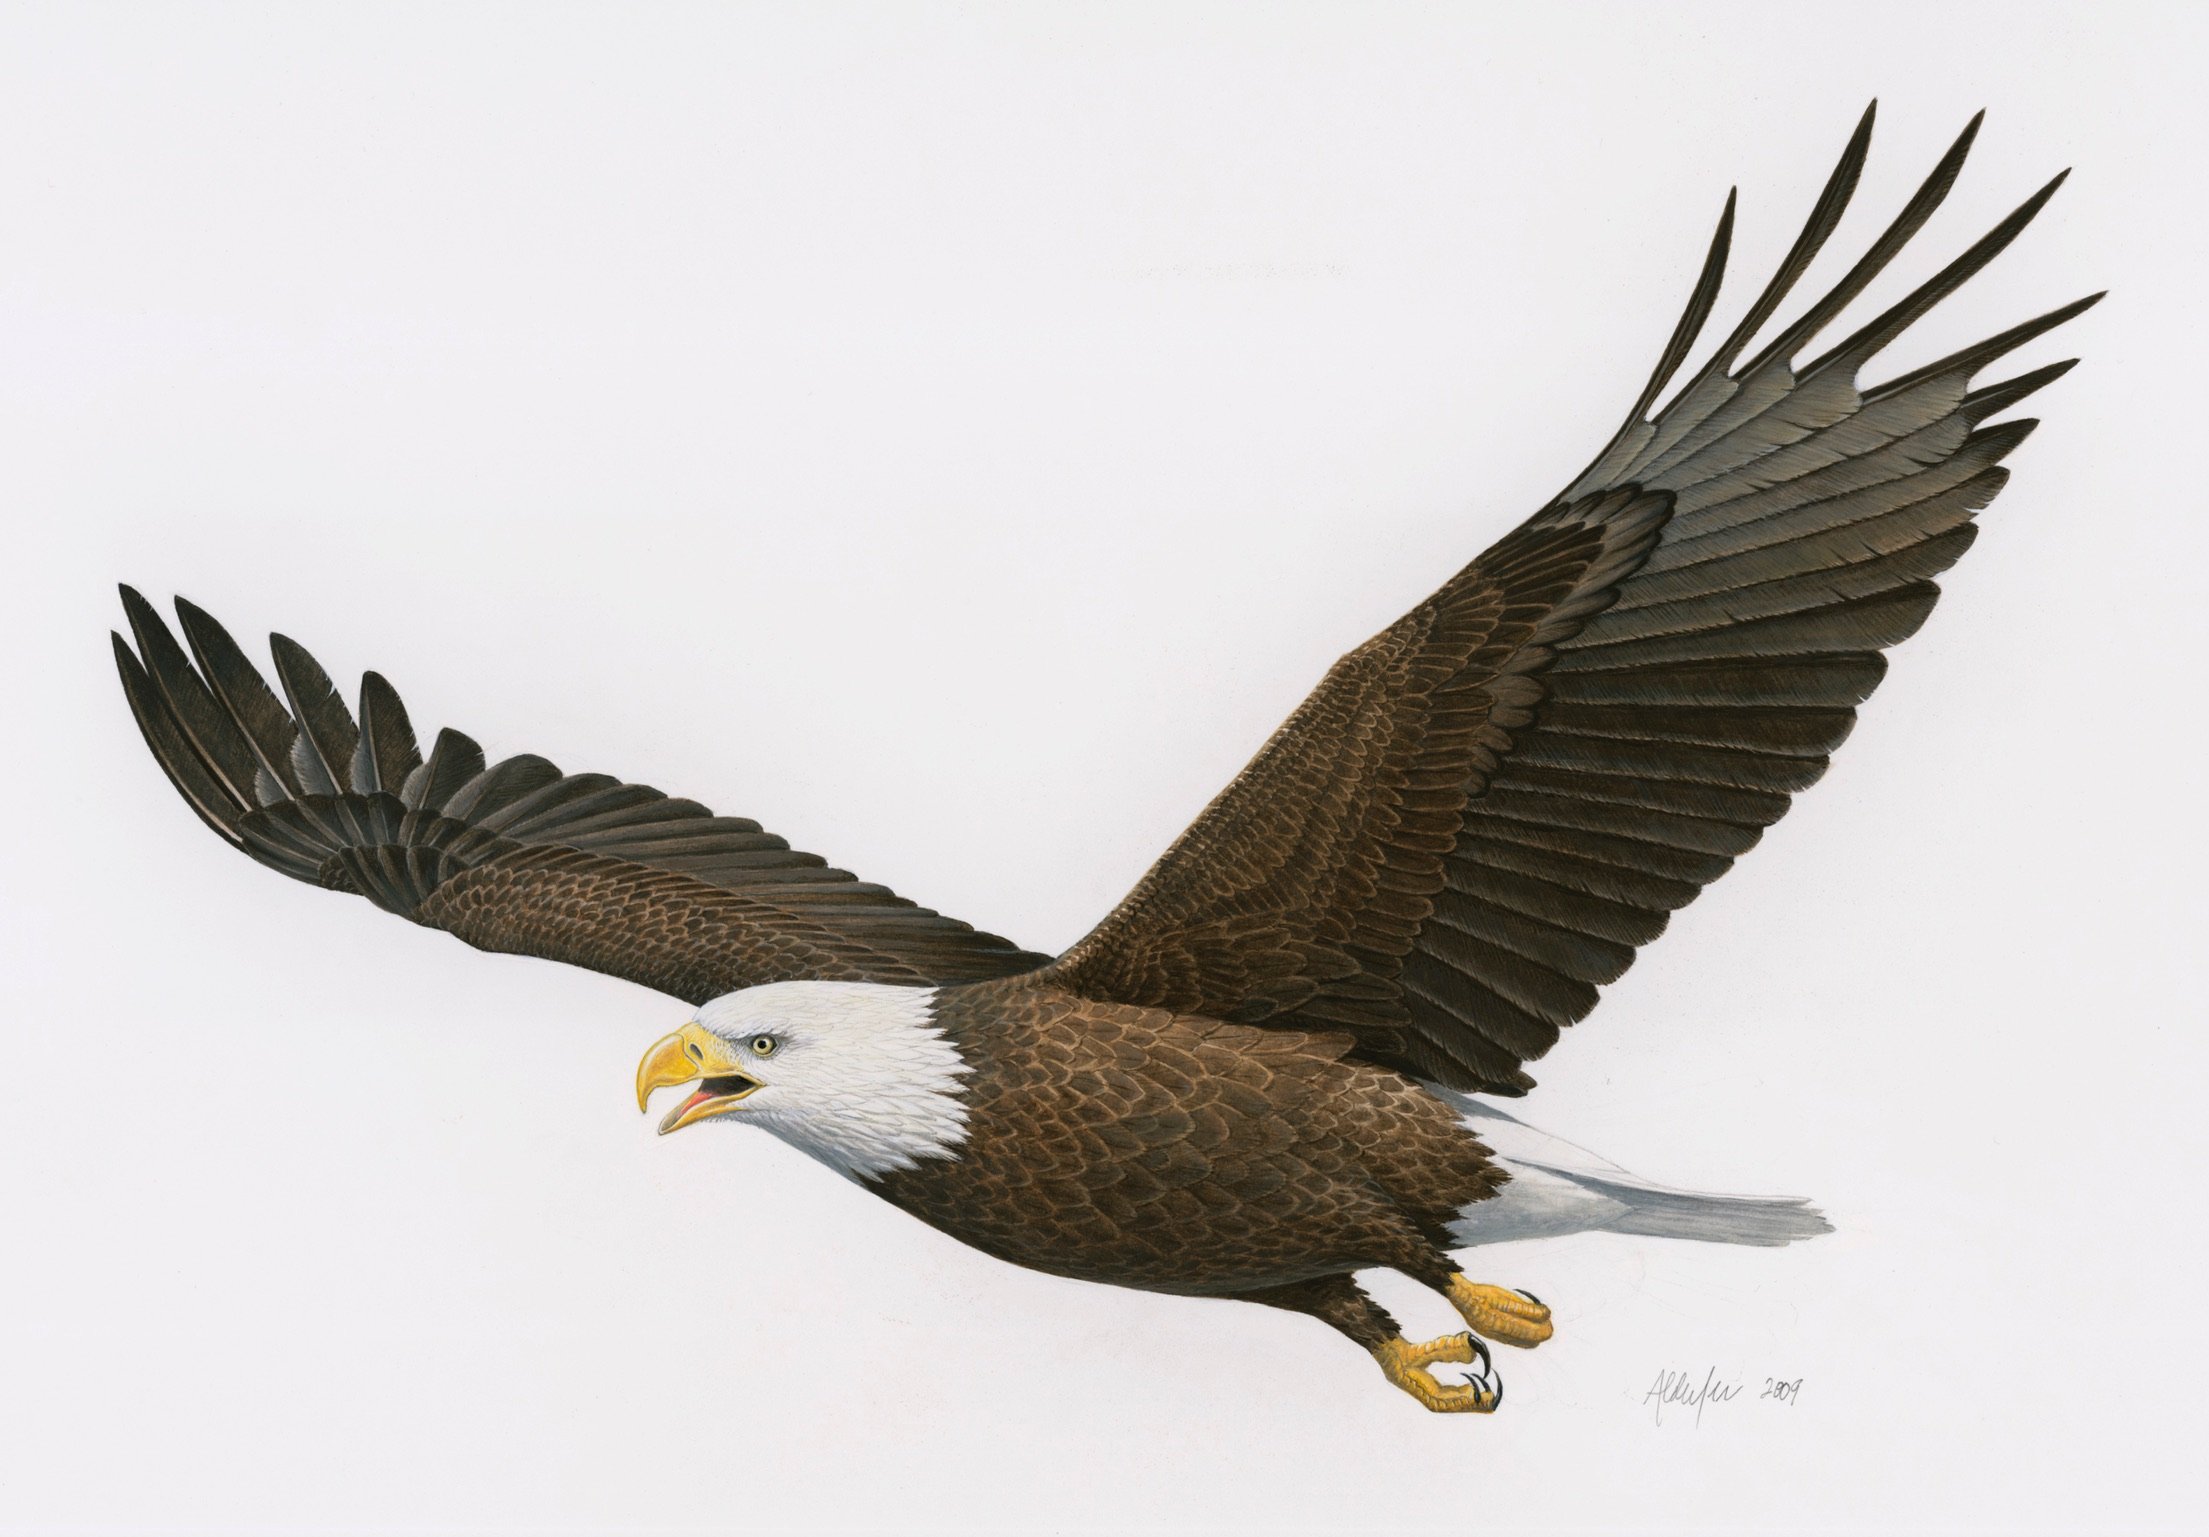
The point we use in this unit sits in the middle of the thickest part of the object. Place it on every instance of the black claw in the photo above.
(1490, 1384)
(1487, 1380)
(1480, 1349)
(1529, 1296)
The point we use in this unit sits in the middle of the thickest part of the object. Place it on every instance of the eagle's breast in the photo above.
(1150, 1149)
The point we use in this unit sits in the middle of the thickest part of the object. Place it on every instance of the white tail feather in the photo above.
(1751, 1219)
(1557, 1187)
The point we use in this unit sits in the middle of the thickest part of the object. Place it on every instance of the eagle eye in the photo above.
(763, 1045)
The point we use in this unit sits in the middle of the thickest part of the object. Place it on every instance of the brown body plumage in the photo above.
(1248, 1080)
(1181, 1154)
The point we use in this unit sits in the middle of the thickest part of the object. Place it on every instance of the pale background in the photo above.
(955, 438)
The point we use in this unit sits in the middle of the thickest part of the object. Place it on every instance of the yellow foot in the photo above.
(1405, 1364)
(1507, 1317)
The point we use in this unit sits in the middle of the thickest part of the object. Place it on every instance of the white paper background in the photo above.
(956, 437)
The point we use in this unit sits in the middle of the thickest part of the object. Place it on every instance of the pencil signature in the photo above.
(1682, 1390)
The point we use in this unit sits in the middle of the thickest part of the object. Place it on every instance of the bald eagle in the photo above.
(1275, 1063)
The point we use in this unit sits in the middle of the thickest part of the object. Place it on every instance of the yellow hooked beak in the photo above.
(694, 1052)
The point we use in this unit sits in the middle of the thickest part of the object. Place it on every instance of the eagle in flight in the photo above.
(1274, 1064)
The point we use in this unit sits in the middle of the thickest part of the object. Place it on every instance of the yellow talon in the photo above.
(1405, 1364)
(1507, 1317)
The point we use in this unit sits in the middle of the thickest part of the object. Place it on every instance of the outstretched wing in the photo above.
(1484, 810)
(513, 856)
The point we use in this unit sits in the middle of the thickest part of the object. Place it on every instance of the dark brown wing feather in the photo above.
(512, 856)
(1479, 815)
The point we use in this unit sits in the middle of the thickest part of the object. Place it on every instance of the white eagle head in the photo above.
(857, 1074)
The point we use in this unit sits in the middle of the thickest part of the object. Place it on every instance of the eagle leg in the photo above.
(1340, 1302)
(1494, 1312)
(1405, 1364)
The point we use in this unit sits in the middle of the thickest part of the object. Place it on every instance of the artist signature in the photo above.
(1683, 1390)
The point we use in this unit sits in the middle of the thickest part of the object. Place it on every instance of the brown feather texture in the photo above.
(1480, 814)
(1149, 1149)
(513, 856)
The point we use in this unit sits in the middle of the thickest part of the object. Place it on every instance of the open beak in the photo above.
(694, 1053)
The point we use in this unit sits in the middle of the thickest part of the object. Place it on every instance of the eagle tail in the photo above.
(1767, 1221)
(1557, 1187)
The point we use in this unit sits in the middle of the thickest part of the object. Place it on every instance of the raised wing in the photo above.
(513, 856)
(1483, 811)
